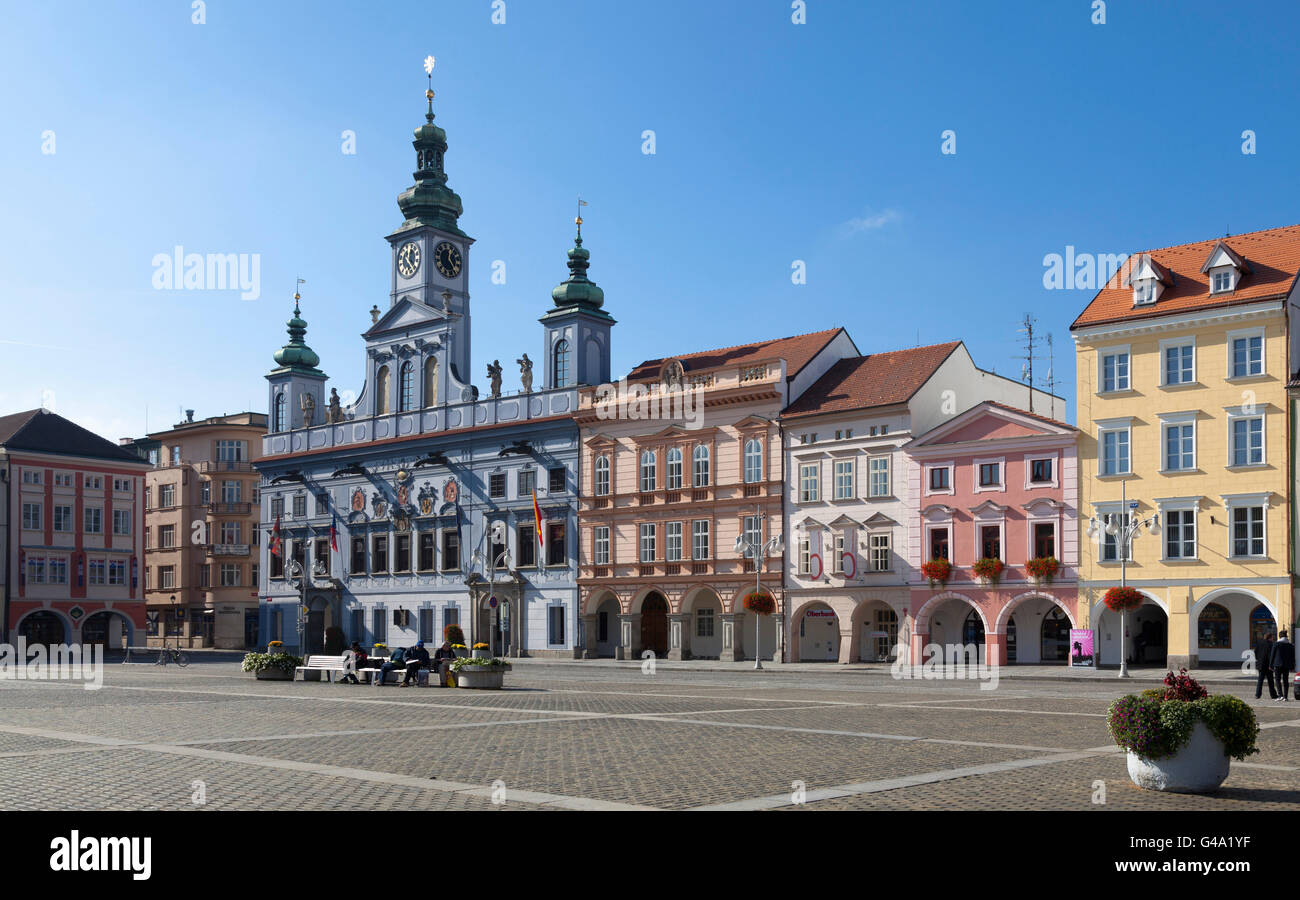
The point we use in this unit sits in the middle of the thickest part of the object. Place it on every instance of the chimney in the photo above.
(189, 415)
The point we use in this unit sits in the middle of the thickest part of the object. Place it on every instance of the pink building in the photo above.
(995, 483)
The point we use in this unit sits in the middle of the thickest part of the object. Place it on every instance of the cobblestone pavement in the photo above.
(569, 736)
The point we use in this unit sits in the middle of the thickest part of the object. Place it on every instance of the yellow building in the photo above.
(1183, 362)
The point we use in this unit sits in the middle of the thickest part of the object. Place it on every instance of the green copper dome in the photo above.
(578, 290)
(429, 201)
(296, 354)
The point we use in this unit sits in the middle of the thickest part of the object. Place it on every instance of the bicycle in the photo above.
(172, 654)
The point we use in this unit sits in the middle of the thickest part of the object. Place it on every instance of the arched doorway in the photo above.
(1147, 642)
(972, 638)
(1262, 624)
(954, 628)
(654, 625)
(819, 634)
(1055, 644)
(878, 632)
(43, 627)
(704, 629)
(110, 629)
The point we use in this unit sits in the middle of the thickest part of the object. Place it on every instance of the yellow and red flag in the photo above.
(537, 521)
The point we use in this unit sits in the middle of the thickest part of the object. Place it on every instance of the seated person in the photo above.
(394, 662)
(355, 658)
(416, 660)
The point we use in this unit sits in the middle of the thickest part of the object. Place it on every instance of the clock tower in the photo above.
(430, 254)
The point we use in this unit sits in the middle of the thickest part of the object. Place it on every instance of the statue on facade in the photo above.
(494, 377)
(335, 413)
(526, 373)
(308, 404)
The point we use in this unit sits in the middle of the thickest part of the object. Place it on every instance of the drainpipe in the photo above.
(5, 517)
(785, 606)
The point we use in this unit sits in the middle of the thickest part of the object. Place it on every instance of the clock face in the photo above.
(408, 259)
(447, 258)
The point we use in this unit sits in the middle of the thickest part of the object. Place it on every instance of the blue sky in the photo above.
(775, 142)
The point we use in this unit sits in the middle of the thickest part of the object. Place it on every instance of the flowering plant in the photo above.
(1120, 599)
(1043, 567)
(760, 603)
(1158, 723)
(937, 570)
(480, 646)
(260, 662)
(452, 634)
(989, 567)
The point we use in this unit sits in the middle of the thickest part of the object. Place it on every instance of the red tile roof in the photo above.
(1025, 412)
(796, 351)
(1272, 255)
(880, 379)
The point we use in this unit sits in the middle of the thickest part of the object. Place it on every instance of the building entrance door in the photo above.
(654, 625)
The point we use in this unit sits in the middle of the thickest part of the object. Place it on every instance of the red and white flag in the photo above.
(276, 544)
(334, 538)
(815, 564)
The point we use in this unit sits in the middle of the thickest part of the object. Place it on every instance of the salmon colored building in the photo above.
(666, 492)
(71, 524)
(998, 484)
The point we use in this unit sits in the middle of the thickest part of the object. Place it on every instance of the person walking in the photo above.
(1283, 661)
(1264, 665)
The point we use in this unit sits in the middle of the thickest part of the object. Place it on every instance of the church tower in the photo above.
(576, 347)
(297, 387)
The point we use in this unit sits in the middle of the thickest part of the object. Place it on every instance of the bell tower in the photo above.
(576, 343)
(296, 386)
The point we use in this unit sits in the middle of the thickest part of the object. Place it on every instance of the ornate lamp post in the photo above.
(298, 577)
(1124, 528)
(746, 547)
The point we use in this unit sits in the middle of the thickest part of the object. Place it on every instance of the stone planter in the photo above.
(1199, 767)
(274, 675)
(488, 678)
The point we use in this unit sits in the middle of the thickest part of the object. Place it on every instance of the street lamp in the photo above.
(489, 566)
(1124, 528)
(298, 577)
(759, 550)
(176, 623)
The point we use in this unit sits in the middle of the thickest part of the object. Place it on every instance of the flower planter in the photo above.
(483, 678)
(275, 675)
(1199, 766)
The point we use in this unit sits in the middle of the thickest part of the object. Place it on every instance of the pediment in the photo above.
(880, 520)
(404, 315)
(844, 522)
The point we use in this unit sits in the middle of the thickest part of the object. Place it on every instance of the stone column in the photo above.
(629, 625)
(730, 639)
(591, 631)
(778, 655)
(678, 642)
(516, 623)
(995, 649)
(847, 651)
(919, 640)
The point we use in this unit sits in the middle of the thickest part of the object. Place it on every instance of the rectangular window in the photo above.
(378, 626)
(166, 496)
(673, 542)
(357, 566)
(148, 498)
(277, 507)
(205, 492)
(1044, 539)
(497, 486)
(879, 546)
(122, 485)
(753, 530)
(1179, 364)
(1114, 372)
(1180, 448)
(1247, 440)
(33, 476)
(939, 543)
(450, 616)
(557, 480)
(527, 482)
(1110, 542)
(1040, 471)
(1221, 282)
(117, 573)
(1248, 531)
(36, 570)
(231, 493)
(837, 559)
(878, 476)
(379, 553)
(557, 551)
(990, 474)
(1247, 356)
(647, 477)
(62, 479)
(230, 575)
(939, 480)
(96, 572)
(1180, 534)
(166, 577)
(704, 623)
(32, 516)
(805, 556)
(555, 625)
(600, 545)
(991, 542)
(844, 479)
(809, 483)
(94, 520)
(701, 548)
(648, 543)
(1115, 452)
(233, 533)
(166, 536)
(527, 545)
(451, 550)
(401, 554)
(121, 521)
(205, 577)
(426, 551)
(58, 571)
(299, 506)
(232, 451)
(95, 482)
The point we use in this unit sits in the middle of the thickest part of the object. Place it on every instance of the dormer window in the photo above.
(1147, 278)
(1221, 281)
(1144, 292)
(1225, 268)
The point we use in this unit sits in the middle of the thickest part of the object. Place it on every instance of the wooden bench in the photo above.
(372, 669)
(327, 664)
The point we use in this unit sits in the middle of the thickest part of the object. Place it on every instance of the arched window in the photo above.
(972, 631)
(673, 472)
(561, 363)
(1214, 628)
(648, 470)
(753, 461)
(381, 392)
(431, 381)
(602, 476)
(406, 388)
(278, 424)
(1262, 624)
(700, 466)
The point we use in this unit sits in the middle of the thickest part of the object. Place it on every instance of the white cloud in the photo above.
(871, 221)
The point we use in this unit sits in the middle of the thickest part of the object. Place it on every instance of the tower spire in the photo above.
(429, 201)
(296, 354)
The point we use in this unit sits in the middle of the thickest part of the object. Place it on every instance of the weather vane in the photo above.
(578, 218)
(296, 295)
